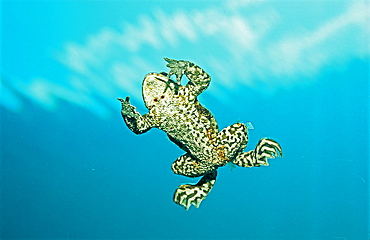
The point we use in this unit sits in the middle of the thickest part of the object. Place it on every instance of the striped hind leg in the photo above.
(229, 142)
(187, 166)
(266, 148)
(187, 194)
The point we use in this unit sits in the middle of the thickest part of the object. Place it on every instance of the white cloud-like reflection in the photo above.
(238, 46)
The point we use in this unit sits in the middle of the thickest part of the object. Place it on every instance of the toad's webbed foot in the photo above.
(266, 148)
(177, 67)
(188, 194)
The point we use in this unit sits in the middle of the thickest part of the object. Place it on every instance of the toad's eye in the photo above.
(155, 100)
(162, 96)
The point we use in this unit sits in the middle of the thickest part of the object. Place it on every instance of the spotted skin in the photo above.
(174, 108)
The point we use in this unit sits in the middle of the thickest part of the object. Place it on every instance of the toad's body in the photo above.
(175, 109)
(186, 122)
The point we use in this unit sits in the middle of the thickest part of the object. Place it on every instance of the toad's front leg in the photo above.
(177, 68)
(199, 79)
(134, 120)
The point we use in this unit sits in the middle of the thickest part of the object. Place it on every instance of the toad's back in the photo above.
(189, 125)
(174, 109)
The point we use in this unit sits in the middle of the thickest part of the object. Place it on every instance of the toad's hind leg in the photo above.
(266, 148)
(189, 167)
(229, 142)
(187, 194)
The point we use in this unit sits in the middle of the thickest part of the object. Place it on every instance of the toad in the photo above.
(175, 109)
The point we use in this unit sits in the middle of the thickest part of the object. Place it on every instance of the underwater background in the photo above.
(297, 70)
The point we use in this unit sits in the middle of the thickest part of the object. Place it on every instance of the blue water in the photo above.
(71, 169)
(82, 177)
